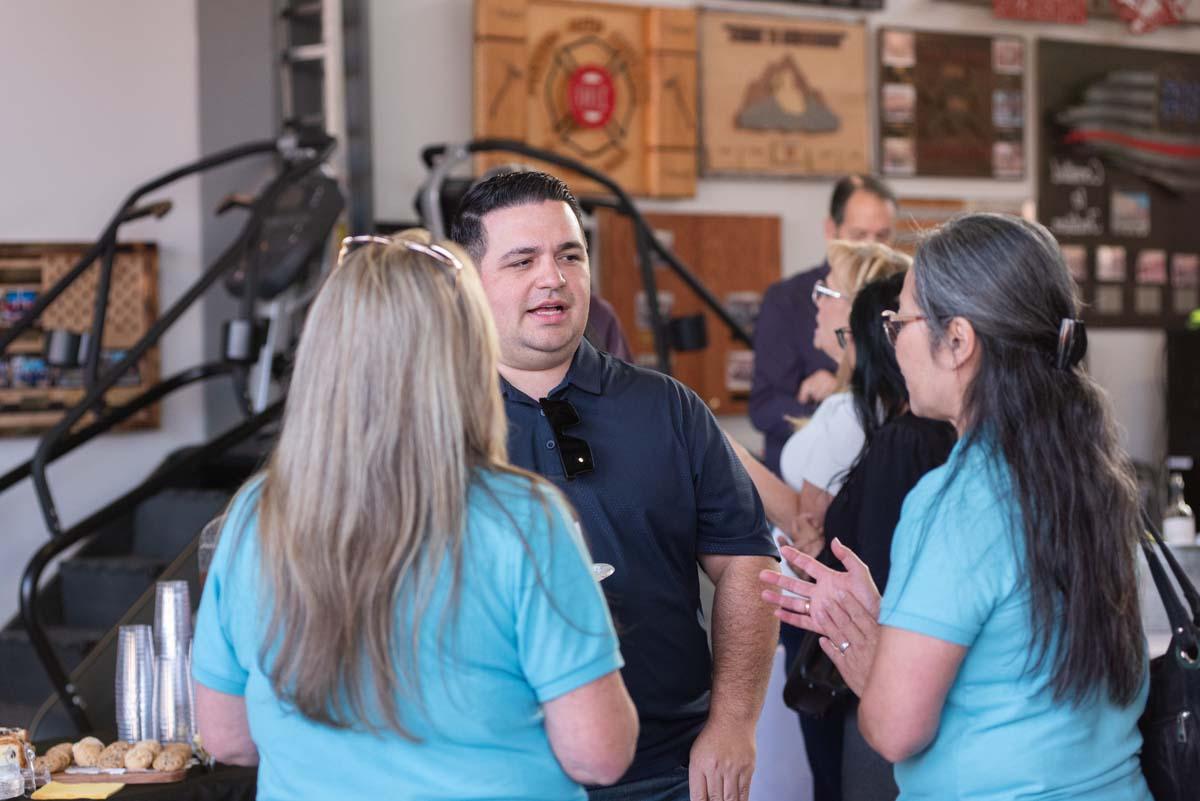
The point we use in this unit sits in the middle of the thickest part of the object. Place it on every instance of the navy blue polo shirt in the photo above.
(666, 488)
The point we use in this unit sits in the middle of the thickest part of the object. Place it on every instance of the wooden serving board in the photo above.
(128, 777)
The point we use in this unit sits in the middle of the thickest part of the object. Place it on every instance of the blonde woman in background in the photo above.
(393, 611)
(816, 458)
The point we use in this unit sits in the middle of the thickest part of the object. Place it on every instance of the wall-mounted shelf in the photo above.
(33, 396)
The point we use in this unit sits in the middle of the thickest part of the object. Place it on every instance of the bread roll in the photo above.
(62, 748)
(86, 752)
(139, 758)
(170, 760)
(54, 761)
(154, 745)
(114, 755)
(178, 748)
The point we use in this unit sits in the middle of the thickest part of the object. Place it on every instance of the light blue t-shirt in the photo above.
(532, 625)
(958, 575)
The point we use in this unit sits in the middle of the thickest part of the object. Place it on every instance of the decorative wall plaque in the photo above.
(951, 105)
(782, 96)
(613, 86)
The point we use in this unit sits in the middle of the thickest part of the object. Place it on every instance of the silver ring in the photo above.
(807, 606)
(844, 646)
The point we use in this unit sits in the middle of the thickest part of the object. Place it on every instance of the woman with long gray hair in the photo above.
(393, 611)
(1006, 658)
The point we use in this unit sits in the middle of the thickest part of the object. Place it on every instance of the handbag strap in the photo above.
(1176, 614)
(1181, 576)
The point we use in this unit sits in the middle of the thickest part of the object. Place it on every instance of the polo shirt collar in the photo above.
(586, 372)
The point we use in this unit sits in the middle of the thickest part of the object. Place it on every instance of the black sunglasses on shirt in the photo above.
(574, 453)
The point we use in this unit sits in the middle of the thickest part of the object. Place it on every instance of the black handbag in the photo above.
(813, 684)
(1169, 725)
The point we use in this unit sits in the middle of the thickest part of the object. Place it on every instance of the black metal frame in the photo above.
(64, 689)
(645, 239)
(301, 157)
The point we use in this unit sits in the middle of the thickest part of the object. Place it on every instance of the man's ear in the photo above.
(830, 229)
(961, 341)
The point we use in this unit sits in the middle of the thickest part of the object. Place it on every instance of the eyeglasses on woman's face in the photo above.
(435, 252)
(893, 324)
(822, 290)
(844, 337)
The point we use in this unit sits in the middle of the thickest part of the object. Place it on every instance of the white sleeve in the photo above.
(793, 459)
(836, 441)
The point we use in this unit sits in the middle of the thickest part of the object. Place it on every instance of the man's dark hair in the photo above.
(501, 192)
(847, 186)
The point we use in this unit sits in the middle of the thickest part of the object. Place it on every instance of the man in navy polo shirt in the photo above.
(656, 487)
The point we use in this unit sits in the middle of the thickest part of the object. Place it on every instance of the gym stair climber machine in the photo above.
(59, 653)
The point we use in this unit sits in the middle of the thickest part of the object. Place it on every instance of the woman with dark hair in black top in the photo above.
(899, 449)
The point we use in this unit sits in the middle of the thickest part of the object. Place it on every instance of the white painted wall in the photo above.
(422, 94)
(98, 96)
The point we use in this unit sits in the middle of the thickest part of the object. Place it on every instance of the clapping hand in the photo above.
(841, 606)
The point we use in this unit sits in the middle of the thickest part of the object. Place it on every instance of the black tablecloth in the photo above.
(222, 783)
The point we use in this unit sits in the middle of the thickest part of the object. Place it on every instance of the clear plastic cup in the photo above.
(174, 700)
(34, 778)
(134, 686)
(172, 619)
(601, 571)
(209, 536)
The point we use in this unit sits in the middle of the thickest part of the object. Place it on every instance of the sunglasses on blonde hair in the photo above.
(435, 252)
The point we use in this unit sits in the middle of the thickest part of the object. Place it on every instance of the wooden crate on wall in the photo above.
(736, 256)
(34, 396)
(613, 86)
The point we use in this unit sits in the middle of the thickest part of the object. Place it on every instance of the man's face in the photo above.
(867, 218)
(537, 280)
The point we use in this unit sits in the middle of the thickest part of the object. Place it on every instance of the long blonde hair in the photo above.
(394, 404)
(853, 265)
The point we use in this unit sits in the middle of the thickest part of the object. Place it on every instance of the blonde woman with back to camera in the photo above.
(393, 611)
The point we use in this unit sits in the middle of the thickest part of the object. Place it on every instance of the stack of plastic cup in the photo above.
(135, 684)
(172, 619)
(172, 640)
(174, 700)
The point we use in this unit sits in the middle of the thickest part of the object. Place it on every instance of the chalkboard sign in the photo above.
(1119, 177)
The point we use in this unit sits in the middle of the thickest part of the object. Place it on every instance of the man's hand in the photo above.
(817, 387)
(722, 761)
(744, 638)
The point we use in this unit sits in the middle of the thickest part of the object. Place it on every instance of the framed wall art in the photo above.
(613, 86)
(1119, 177)
(782, 97)
(951, 105)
